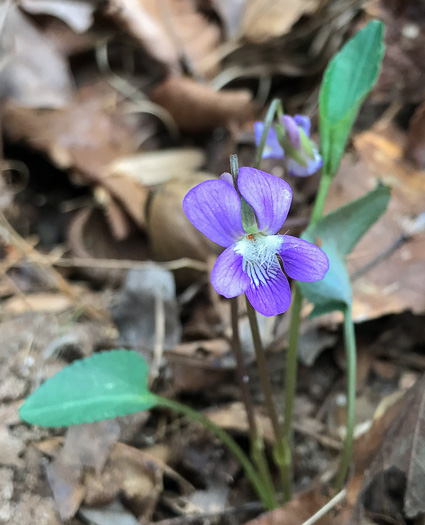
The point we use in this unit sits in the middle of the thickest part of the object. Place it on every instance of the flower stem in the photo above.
(322, 193)
(291, 376)
(350, 350)
(226, 439)
(256, 439)
(266, 386)
(276, 105)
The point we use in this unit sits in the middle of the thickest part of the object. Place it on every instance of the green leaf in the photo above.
(103, 386)
(348, 79)
(338, 233)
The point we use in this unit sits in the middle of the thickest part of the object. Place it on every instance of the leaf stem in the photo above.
(225, 438)
(350, 350)
(266, 387)
(256, 438)
(275, 106)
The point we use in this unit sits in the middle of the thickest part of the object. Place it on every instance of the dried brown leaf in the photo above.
(89, 237)
(197, 107)
(40, 302)
(171, 234)
(157, 167)
(85, 445)
(415, 147)
(78, 14)
(387, 264)
(302, 507)
(395, 481)
(131, 472)
(171, 30)
(34, 73)
(233, 417)
(263, 20)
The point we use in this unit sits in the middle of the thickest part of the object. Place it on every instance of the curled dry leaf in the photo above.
(171, 234)
(89, 236)
(197, 107)
(296, 512)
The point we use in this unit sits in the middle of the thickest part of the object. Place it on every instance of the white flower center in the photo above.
(260, 262)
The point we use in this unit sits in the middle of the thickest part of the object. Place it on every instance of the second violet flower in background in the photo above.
(253, 263)
(291, 141)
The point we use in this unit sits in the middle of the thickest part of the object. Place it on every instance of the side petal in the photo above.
(304, 123)
(313, 165)
(271, 296)
(269, 196)
(227, 276)
(214, 208)
(272, 149)
(303, 260)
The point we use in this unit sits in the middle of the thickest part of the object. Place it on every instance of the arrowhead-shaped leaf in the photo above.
(337, 234)
(103, 386)
(348, 79)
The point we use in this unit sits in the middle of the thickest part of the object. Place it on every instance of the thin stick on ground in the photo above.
(326, 508)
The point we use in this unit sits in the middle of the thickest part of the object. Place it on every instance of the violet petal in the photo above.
(304, 123)
(227, 276)
(214, 208)
(272, 148)
(303, 260)
(269, 196)
(313, 165)
(272, 296)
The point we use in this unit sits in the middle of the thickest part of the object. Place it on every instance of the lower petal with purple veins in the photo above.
(269, 292)
(228, 277)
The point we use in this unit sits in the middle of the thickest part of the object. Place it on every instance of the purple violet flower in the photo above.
(253, 263)
(294, 126)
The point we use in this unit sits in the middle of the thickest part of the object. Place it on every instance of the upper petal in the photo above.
(227, 276)
(272, 148)
(303, 260)
(292, 131)
(214, 208)
(269, 196)
(270, 296)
